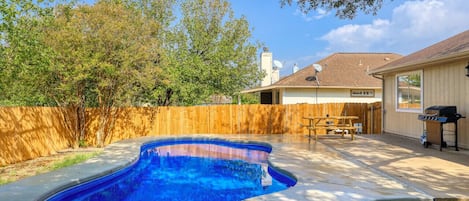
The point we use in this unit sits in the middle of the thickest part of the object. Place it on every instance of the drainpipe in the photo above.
(382, 100)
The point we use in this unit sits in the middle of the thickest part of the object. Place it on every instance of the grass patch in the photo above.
(15, 172)
(72, 160)
(4, 181)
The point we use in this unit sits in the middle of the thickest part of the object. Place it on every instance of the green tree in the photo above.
(24, 60)
(248, 98)
(344, 9)
(107, 54)
(119, 53)
(157, 93)
(210, 53)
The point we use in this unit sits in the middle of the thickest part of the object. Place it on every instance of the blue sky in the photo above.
(399, 27)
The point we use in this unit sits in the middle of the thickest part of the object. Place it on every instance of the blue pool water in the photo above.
(188, 170)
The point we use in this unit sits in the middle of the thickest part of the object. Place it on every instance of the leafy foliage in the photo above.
(344, 9)
(105, 57)
(249, 98)
(24, 59)
(118, 53)
(211, 53)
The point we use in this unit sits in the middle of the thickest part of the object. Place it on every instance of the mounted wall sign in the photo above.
(362, 93)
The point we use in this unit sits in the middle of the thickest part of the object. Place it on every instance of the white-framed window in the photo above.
(409, 91)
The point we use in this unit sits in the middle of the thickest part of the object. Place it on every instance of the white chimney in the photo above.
(266, 66)
(275, 75)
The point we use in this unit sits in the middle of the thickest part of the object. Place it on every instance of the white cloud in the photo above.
(303, 15)
(413, 26)
(354, 37)
(319, 13)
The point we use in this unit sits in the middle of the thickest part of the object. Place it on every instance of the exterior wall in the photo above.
(402, 123)
(294, 96)
(444, 84)
(276, 96)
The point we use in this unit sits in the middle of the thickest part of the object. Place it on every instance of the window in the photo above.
(409, 91)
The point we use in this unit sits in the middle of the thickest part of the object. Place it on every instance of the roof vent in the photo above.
(295, 68)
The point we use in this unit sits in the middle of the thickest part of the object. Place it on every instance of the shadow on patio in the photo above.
(440, 174)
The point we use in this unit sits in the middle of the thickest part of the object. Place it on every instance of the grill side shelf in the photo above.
(423, 117)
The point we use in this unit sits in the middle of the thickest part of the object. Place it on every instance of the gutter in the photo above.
(306, 87)
(381, 77)
(378, 77)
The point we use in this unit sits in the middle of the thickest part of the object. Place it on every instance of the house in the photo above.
(342, 78)
(436, 75)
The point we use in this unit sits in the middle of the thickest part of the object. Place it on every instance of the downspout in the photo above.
(382, 100)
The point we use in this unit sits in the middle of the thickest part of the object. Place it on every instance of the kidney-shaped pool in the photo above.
(188, 169)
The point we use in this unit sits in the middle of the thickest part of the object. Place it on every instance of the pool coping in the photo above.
(124, 153)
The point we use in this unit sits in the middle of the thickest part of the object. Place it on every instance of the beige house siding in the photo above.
(324, 95)
(443, 84)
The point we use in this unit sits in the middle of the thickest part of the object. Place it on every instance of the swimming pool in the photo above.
(188, 169)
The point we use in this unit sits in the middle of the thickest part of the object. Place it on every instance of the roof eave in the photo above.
(258, 89)
(421, 64)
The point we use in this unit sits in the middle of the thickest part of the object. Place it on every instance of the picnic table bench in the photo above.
(342, 124)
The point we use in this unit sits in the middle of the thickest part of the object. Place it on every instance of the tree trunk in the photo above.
(70, 119)
(101, 133)
(99, 136)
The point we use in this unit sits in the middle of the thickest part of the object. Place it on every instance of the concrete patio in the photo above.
(372, 167)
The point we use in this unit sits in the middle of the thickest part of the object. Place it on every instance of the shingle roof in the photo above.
(341, 70)
(454, 46)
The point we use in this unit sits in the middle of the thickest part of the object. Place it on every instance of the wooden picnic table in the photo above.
(341, 124)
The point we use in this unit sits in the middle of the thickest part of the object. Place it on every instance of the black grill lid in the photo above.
(441, 110)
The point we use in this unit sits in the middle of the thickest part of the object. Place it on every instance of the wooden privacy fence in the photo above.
(29, 132)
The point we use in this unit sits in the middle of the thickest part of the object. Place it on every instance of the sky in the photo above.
(401, 27)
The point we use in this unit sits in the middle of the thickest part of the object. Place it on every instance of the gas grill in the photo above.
(434, 118)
